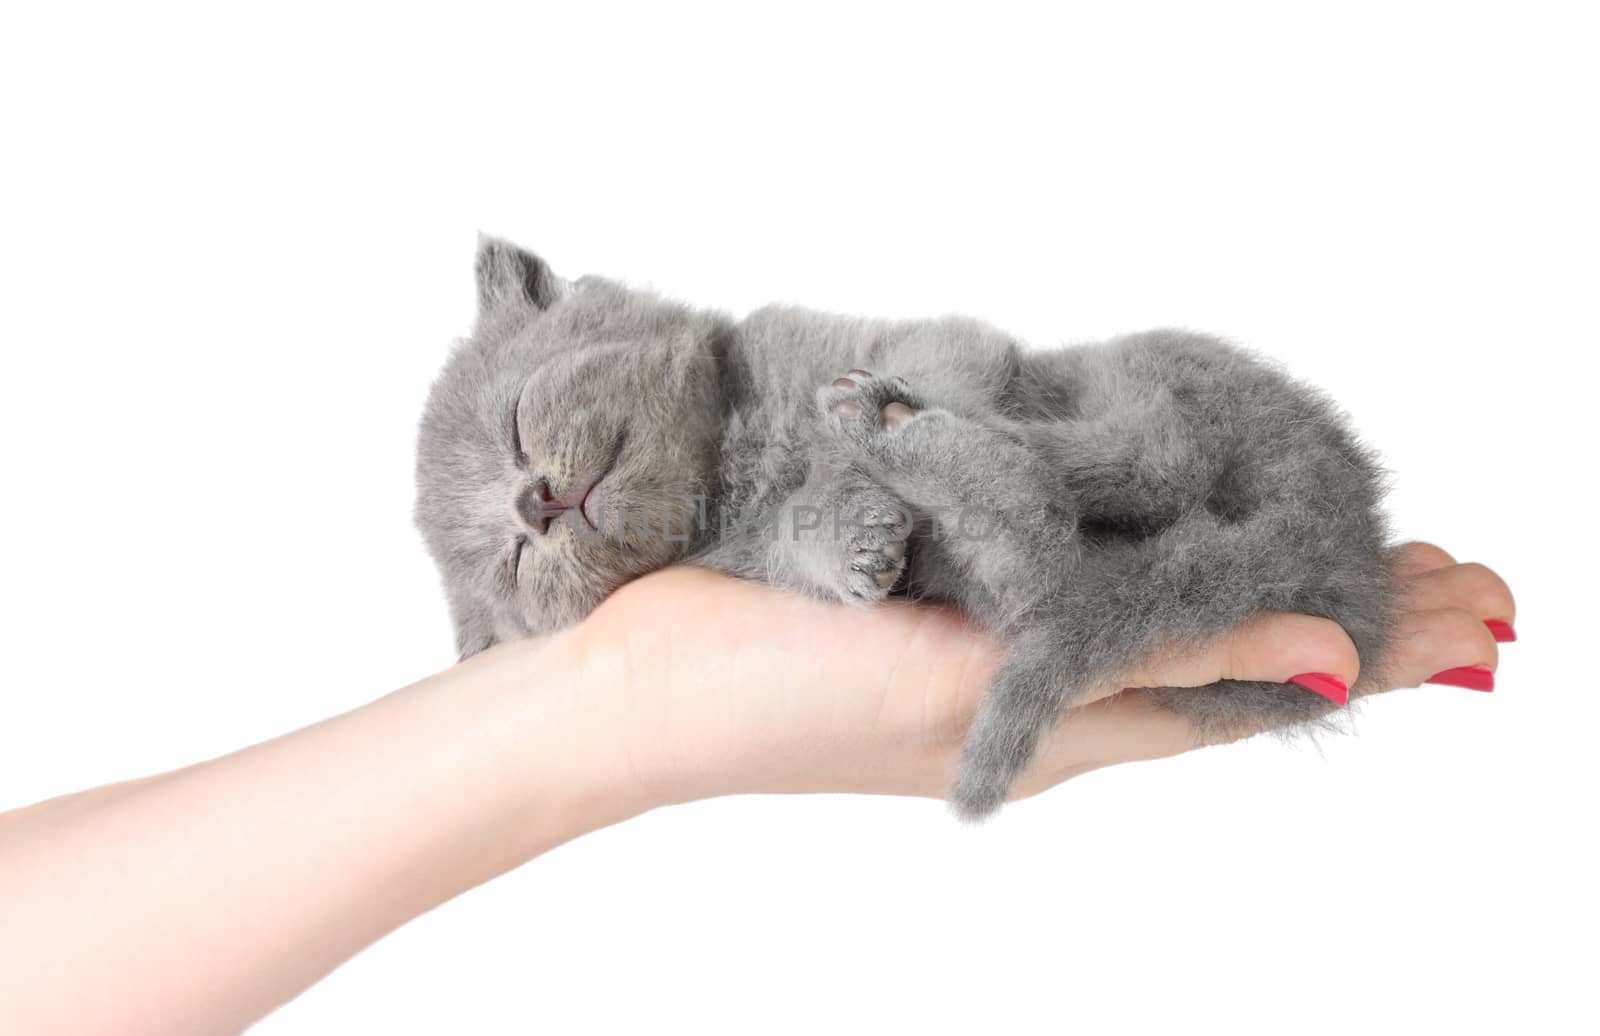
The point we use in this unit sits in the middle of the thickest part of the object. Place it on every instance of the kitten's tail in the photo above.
(1025, 700)
(1050, 665)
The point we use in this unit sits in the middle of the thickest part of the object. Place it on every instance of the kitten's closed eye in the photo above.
(517, 449)
(514, 562)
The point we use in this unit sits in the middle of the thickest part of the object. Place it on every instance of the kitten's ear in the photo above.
(513, 278)
(474, 628)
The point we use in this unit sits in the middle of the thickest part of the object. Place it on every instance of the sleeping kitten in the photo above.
(1086, 504)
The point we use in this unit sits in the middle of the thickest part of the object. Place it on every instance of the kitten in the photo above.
(1086, 504)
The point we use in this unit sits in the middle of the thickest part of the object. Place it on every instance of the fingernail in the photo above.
(1502, 631)
(1325, 684)
(1473, 678)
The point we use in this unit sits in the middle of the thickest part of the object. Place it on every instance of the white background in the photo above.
(236, 247)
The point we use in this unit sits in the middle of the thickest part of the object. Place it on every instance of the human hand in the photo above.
(720, 686)
(683, 685)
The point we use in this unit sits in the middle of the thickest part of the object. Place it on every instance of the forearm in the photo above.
(199, 900)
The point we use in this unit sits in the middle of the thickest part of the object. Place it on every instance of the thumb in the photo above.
(1274, 647)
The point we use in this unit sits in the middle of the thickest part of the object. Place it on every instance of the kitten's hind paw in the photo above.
(852, 548)
(865, 403)
(875, 543)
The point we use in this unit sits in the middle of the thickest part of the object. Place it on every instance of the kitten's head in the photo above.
(566, 447)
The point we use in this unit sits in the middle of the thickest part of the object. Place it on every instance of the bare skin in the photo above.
(201, 899)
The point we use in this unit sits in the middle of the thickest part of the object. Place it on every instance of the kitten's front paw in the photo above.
(862, 403)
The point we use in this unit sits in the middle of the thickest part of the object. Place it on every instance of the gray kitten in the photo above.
(1087, 504)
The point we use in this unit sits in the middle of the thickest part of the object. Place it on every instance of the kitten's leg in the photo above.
(841, 535)
(1018, 569)
(1001, 534)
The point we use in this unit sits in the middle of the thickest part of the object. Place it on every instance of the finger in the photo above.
(1471, 587)
(1275, 647)
(1446, 646)
(1450, 643)
(1412, 559)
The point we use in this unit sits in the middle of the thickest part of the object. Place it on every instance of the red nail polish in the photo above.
(1473, 678)
(1502, 631)
(1325, 684)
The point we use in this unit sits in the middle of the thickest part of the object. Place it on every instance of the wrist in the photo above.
(549, 732)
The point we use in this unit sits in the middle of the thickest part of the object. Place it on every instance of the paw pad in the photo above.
(863, 387)
(896, 414)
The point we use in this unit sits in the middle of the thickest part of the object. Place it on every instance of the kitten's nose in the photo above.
(538, 508)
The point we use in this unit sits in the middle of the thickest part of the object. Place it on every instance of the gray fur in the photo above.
(1086, 504)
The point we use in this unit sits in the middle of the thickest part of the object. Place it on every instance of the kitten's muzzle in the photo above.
(538, 506)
